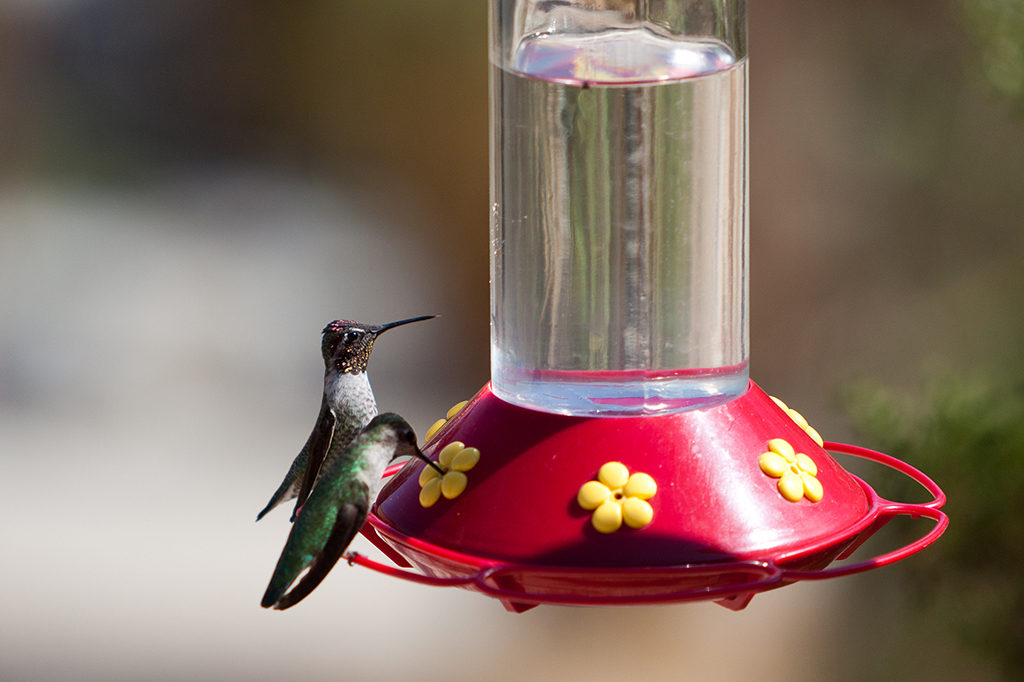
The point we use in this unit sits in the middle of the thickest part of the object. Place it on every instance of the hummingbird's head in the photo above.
(396, 431)
(346, 345)
(393, 432)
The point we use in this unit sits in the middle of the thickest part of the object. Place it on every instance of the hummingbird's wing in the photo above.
(323, 530)
(315, 449)
(317, 454)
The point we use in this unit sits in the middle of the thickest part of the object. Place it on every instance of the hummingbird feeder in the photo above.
(620, 454)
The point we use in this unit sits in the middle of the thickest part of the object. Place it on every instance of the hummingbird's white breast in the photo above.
(350, 396)
(376, 459)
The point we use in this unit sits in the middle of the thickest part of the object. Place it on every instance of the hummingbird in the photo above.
(347, 405)
(338, 506)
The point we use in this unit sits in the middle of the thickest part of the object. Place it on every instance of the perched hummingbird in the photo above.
(347, 406)
(338, 506)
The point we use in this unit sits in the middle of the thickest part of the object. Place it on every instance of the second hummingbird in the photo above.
(347, 406)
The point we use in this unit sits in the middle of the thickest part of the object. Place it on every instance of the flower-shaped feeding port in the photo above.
(800, 421)
(455, 460)
(436, 426)
(617, 497)
(796, 471)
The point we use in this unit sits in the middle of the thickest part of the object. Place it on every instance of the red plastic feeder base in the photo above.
(691, 508)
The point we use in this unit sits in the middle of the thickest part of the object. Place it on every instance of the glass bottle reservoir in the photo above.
(619, 205)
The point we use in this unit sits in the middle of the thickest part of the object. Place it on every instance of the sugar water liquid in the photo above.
(619, 224)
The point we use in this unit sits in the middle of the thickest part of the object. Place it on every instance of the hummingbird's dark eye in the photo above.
(350, 337)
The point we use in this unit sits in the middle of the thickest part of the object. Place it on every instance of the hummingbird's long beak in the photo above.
(429, 461)
(391, 325)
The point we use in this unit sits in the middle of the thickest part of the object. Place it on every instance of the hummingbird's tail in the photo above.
(351, 517)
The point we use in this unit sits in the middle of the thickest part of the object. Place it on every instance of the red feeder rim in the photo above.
(703, 544)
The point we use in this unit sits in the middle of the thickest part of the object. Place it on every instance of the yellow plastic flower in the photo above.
(436, 426)
(796, 471)
(800, 421)
(455, 460)
(617, 497)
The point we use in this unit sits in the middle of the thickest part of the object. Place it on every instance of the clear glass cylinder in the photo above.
(619, 204)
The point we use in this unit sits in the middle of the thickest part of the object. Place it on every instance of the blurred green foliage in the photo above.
(998, 27)
(968, 435)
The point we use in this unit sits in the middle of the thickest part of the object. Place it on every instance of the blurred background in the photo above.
(191, 189)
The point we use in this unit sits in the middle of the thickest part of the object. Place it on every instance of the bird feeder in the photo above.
(620, 454)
